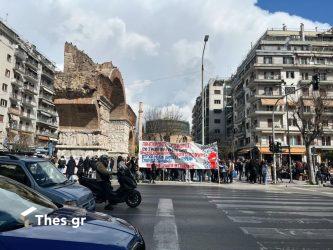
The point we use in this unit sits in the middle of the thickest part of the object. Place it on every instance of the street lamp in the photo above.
(202, 93)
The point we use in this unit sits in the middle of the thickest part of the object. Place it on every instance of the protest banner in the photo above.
(178, 155)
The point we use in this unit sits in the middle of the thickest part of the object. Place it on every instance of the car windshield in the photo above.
(15, 199)
(45, 173)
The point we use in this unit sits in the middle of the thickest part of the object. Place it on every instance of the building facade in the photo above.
(27, 111)
(94, 118)
(281, 60)
(167, 130)
(217, 93)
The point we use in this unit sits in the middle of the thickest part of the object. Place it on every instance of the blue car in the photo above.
(42, 176)
(27, 221)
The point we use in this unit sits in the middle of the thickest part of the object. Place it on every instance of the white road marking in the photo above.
(165, 230)
(281, 233)
(225, 201)
(259, 220)
(279, 207)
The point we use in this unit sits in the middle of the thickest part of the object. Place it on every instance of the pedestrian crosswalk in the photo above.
(279, 220)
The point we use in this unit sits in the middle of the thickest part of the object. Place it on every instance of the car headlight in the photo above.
(70, 203)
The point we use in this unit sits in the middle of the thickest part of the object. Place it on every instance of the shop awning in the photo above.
(293, 150)
(271, 102)
(243, 151)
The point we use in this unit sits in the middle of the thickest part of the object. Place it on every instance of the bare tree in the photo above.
(162, 123)
(309, 116)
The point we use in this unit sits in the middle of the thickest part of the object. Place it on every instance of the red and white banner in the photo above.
(178, 155)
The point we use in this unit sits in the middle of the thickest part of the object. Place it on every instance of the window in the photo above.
(269, 123)
(217, 101)
(299, 140)
(292, 122)
(217, 111)
(269, 75)
(247, 140)
(290, 74)
(3, 103)
(268, 91)
(268, 60)
(1, 118)
(288, 60)
(320, 61)
(7, 73)
(9, 58)
(217, 91)
(326, 141)
(14, 172)
(217, 121)
(4, 87)
(217, 131)
(303, 61)
(323, 76)
(305, 76)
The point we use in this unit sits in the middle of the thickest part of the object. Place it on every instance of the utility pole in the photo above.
(202, 93)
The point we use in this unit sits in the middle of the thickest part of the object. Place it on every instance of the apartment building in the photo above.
(281, 60)
(215, 101)
(27, 112)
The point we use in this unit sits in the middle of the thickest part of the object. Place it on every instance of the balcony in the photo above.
(47, 122)
(28, 116)
(48, 87)
(49, 111)
(47, 133)
(17, 82)
(268, 129)
(48, 75)
(265, 112)
(28, 103)
(30, 89)
(31, 76)
(27, 129)
(19, 68)
(15, 97)
(46, 99)
(14, 111)
(20, 54)
(31, 63)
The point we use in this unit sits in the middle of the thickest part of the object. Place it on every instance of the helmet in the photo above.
(104, 159)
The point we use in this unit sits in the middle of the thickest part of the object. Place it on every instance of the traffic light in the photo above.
(278, 148)
(315, 82)
(271, 146)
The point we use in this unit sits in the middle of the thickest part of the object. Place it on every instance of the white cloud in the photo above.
(149, 39)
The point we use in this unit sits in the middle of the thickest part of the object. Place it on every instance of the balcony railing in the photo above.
(17, 82)
(47, 133)
(48, 74)
(47, 110)
(14, 111)
(47, 121)
(31, 75)
(28, 102)
(47, 85)
(32, 63)
(30, 88)
(16, 97)
(46, 97)
(28, 115)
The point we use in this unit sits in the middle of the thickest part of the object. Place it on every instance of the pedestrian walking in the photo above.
(71, 165)
(264, 171)
(86, 166)
(153, 172)
(62, 164)
(80, 168)
(231, 169)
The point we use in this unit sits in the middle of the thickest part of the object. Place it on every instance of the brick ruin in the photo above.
(94, 118)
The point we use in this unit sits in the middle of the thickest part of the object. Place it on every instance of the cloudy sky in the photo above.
(157, 44)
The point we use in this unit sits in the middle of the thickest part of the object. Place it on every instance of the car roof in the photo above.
(23, 158)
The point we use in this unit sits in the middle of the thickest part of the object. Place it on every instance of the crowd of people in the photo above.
(249, 170)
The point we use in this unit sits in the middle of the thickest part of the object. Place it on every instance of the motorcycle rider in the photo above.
(103, 175)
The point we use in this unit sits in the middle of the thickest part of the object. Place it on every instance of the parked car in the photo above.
(42, 176)
(98, 232)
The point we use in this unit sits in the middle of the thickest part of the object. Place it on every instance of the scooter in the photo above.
(125, 193)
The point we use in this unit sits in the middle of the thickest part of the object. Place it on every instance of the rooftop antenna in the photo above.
(6, 19)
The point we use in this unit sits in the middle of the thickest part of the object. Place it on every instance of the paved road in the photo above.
(192, 217)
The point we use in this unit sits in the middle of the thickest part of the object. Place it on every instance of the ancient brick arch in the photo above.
(91, 102)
